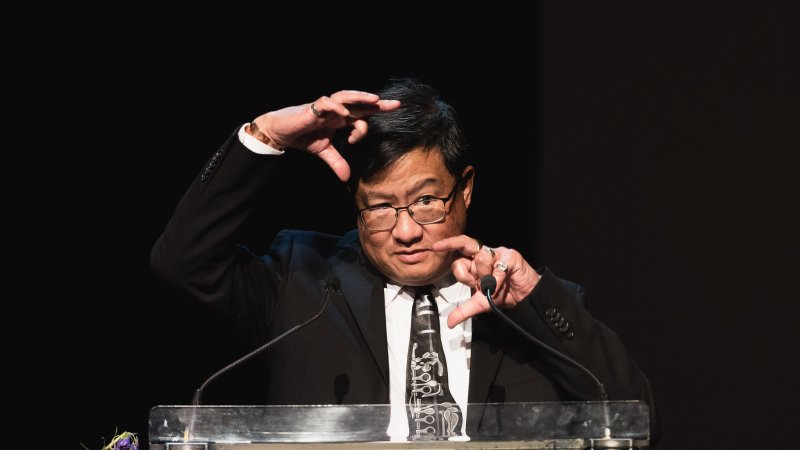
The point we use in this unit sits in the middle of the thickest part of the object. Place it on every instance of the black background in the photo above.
(644, 149)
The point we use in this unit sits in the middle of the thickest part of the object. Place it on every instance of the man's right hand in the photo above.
(299, 127)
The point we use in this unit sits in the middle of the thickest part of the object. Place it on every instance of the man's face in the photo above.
(404, 253)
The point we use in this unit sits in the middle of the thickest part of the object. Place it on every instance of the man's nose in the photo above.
(406, 229)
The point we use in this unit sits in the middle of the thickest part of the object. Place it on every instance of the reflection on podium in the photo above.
(567, 425)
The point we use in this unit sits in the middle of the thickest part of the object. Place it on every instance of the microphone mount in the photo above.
(488, 286)
(331, 286)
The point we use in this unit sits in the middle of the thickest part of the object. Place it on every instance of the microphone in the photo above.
(488, 286)
(331, 284)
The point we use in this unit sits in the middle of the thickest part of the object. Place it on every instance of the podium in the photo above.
(548, 425)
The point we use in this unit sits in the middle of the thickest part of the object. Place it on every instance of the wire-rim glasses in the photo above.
(426, 210)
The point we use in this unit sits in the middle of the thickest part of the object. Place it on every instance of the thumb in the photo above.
(470, 308)
(335, 161)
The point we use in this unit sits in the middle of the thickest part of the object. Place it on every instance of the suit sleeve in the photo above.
(197, 254)
(555, 313)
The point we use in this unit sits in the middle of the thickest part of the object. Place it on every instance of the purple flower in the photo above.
(123, 444)
(126, 443)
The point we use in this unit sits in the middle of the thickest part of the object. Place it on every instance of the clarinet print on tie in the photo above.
(433, 414)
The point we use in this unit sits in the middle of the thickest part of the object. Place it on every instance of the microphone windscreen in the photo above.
(331, 281)
(488, 282)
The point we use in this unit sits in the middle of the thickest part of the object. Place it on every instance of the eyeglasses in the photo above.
(426, 210)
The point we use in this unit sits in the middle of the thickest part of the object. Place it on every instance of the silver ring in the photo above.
(314, 110)
(488, 250)
(501, 266)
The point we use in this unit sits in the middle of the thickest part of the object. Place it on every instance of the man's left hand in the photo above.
(515, 277)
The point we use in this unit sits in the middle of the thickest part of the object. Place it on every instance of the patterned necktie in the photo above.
(433, 414)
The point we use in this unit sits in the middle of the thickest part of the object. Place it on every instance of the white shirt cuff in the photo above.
(256, 146)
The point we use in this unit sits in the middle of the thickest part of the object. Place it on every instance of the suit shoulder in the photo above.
(319, 242)
(575, 290)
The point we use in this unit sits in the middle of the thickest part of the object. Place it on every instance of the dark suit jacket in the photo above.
(342, 357)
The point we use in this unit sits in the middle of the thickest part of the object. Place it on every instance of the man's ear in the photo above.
(467, 182)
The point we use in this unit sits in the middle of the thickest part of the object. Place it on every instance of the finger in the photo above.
(324, 105)
(353, 96)
(483, 262)
(363, 99)
(363, 110)
(500, 275)
(333, 159)
(464, 244)
(388, 105)
(500, 267)
(359, 131)
(472, 307)
(462, 270)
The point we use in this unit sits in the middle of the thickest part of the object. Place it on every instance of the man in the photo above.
(403, 156)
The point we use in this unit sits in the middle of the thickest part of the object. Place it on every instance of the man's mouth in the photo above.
(411, 256)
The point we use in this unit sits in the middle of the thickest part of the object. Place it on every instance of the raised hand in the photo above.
(310, 127)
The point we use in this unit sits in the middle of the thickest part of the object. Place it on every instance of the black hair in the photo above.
(423, 121)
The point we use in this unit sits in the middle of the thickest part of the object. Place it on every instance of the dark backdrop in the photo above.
(644, 150)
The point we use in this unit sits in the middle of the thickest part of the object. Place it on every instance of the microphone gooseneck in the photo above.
(331, 284)
(488, 286)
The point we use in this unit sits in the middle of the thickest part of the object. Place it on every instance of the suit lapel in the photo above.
(363, 299)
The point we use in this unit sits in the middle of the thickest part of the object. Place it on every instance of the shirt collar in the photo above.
(447, 287)
(391, 291)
